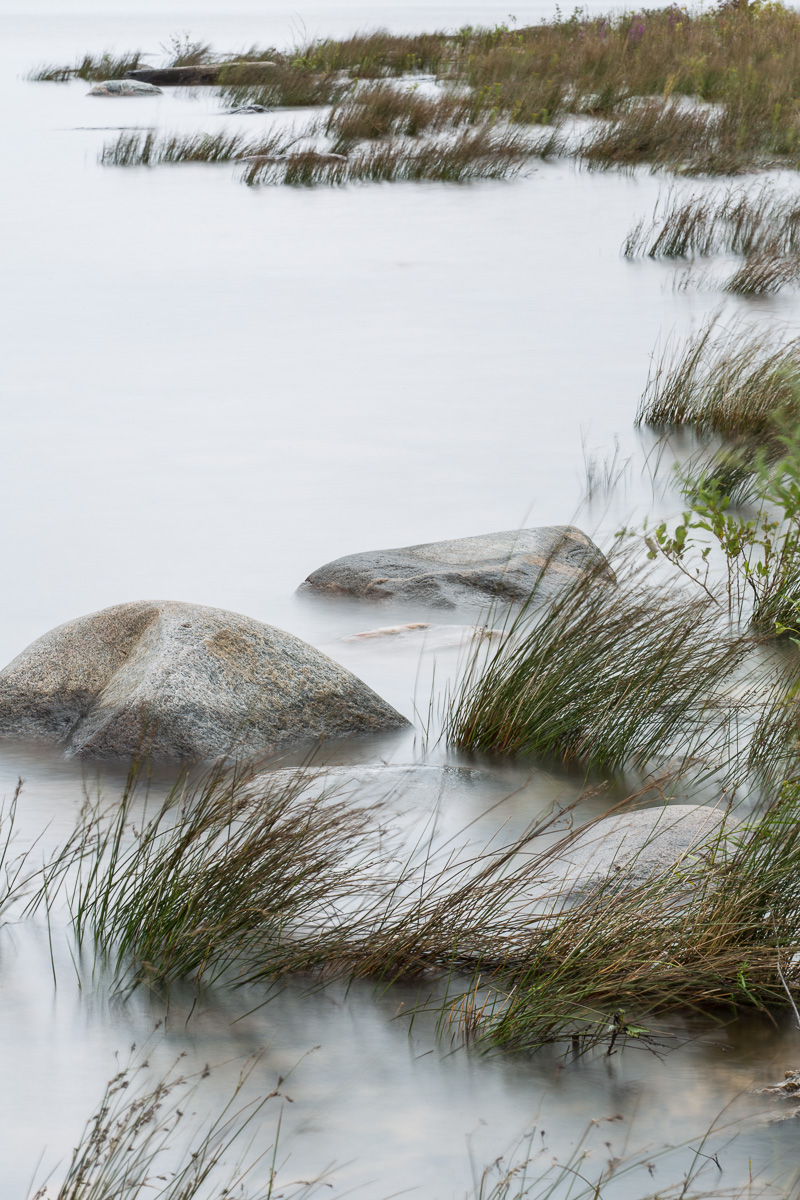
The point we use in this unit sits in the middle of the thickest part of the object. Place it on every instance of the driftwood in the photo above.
(203, 73)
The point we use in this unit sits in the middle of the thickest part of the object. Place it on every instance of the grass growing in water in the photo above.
(383, 110)
(728, 941)
(763, 226)
(732, 221)
(149, 149)
(284, 86)
(90, 68)
(601, 676)
(735, 382)
(481, 153)
(641, 74)
(239, 866)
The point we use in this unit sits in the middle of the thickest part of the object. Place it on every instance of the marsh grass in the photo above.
(90, 68)
(600, 676)
(765, 272)
(667, 135)
(762, 226)
(731, 221)
(132, 1147)
(181, 51)
(234, 867)
(280, 86)
(688, 92)
(737, 382)
(377, 54)
(479, 153)
(383, 110)
(726, 940)
(149, 149)
(238, 880)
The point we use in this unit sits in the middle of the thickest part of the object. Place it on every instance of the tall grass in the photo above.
(377, 54)
(735, 382)
(480, 153)
(734, 220)
(91, 68)
(140, 149)
(232, 868)
(280, 86)
(714, 91)
(383, 110)
(601, 677)
(765, 272)
(483, 152)
(727, 940)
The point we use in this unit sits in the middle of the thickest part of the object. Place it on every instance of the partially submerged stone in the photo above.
(632, 848)
(181, 682)
(465, 571)
(202, 73)
(124, 87)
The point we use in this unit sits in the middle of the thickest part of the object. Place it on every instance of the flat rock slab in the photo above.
(181, 682)
(466, 571)
(634, 847)
(124, 87)
(201, 74)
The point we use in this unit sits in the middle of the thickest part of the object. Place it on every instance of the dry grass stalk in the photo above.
(127, 1149)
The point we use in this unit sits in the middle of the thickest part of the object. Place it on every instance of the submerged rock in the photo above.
(181, 682)
(637, 846)
(124, 87)
(464, 571)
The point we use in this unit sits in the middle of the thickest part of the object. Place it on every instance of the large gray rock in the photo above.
(464, 571)
(124, 87)
(631, 848)
(198, 681)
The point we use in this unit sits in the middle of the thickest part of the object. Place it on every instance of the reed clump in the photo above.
(762, 226)
(765, 272)
(727, 941)
(237, 867)
(283, 85)
(383, 110)
(480, 153)
(733, 220)
(374, 55)
(736, 382)
(139, 149)
(90, 68)
(601, 676)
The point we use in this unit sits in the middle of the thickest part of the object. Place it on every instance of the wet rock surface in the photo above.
(635, 846)
(124, 87)
(181, 682)
(465, 571)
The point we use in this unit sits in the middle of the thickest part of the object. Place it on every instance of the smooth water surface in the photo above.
(209, 391)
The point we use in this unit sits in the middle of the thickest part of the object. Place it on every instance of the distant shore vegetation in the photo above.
(694, 93)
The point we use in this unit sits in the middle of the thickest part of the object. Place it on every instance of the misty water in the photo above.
(209, 391)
